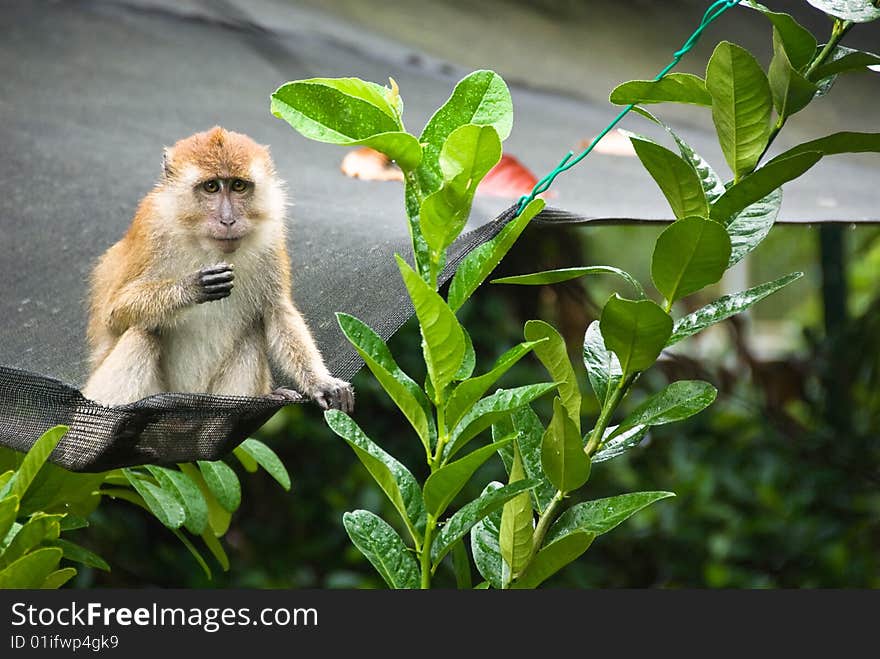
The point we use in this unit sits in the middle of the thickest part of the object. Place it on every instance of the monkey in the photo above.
(196, 296)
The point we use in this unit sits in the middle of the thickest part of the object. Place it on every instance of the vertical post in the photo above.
(832, 239)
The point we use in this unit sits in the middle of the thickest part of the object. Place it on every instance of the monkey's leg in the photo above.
(291, 345)
(246, 372)
(130, 371)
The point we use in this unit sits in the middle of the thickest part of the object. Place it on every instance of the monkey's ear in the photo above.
(167, 171)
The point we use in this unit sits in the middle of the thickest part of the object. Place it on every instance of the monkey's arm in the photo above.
(152, 303)
(292, 347)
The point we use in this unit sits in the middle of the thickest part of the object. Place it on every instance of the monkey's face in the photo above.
(225, 209)
(224, 188)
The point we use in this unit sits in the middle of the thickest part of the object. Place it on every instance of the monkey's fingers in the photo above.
(217, 268)
(216, 292)
(285, 394)
(322, 398)
(219, 278)
(347, 398)
(338, 395)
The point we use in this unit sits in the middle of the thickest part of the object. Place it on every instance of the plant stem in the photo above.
(607, 412)
(544, 521)
(838, 31)
(425, 555)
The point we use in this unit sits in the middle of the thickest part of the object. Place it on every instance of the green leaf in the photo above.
(481, 98)
(223, 483)
(395, 480)
(480, 263)
(213, 544)
(33, 461)
(635, 331)
(725, 307)
(562, 452)
(466, 394)
(554, 356)
(469, 363)
(553, 557)
(675, 402)
(603, 366)
(837, 143)
(443, 340)
(187, 494)
(31, 570)
(517, 523)
(218, 516)
(72, 522)
(54, 489)
(442, 485)
(489, 410)
(602, 515)
(484, 544)
(79, 554)
(713, 186)
(619, 444)
(677, 179)
(38, 529)
(849, 60)
(268, 460)
(8, 513)
(799, 43)
(195, 553)
(469, 515)
(250, 465)
(348, 112)
(406, 394)
(565, 274)
(857, 11)
(383, 547)
(673, 88)
(792, 92)
(741, 105)
(467, 155)
(689, 255)
(752, 224)
(58, 578)
(761, 183)
(461, 566)
(525, 425)
(163, 505)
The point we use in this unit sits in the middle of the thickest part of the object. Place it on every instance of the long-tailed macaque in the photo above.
(196, 297)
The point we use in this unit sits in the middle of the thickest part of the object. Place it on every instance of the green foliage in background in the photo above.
(39, 500)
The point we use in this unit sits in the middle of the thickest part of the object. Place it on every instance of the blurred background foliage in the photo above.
(775, 488)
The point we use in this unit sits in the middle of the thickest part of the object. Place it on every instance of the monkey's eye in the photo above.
(211, 186)
(238, 185)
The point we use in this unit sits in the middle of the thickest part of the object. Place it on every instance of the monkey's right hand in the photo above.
(213, 282)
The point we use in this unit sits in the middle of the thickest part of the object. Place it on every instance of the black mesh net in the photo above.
(93, 89)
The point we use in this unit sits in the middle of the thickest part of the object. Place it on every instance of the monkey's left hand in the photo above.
(334, 394)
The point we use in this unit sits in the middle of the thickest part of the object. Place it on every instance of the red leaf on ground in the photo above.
(509, 178)
(370, 165)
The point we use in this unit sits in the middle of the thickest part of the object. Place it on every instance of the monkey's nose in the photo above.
(227, 221)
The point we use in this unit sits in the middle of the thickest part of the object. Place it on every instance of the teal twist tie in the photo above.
(712, 13)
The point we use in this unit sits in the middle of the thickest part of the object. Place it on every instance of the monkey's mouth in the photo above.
(227, 244)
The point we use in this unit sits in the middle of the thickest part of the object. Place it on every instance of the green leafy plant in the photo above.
(717, 224)
(192, 501)
(442, 169)
(31, 546)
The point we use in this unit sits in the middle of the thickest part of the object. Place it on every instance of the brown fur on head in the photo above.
(218, 187)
